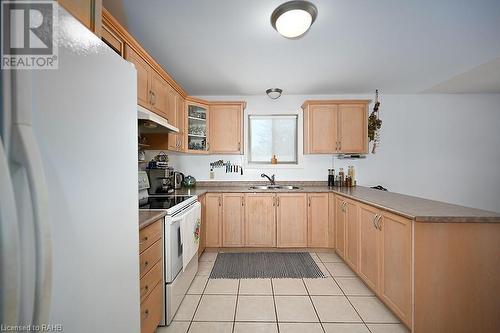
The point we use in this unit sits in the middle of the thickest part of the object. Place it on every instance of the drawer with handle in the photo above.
(149, 235)
(151, 310)
(150, 257)
(151, 279)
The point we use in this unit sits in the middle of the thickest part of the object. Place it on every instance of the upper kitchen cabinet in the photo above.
(88, 12)
(156, 90)
(144, 72)
(226, 135)
(111, 36)
(353, 128)
(335, 126)
(153, 91)
(197, 127)
(176, 140)
(170, 105)
(160, 98)
(320, 129)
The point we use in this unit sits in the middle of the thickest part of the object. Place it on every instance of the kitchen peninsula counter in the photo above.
(415, 208)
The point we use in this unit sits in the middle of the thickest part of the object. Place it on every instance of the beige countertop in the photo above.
(146, 217)
(418, 209)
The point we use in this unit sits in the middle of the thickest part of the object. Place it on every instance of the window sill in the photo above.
(273, 166)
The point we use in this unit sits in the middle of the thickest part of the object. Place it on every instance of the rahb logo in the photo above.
(28, 34)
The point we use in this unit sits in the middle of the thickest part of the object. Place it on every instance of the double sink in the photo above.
(274, 187)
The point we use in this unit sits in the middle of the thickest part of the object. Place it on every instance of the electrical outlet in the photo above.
(212, 174)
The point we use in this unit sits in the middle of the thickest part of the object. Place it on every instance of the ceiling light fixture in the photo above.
(293, 18)
(274, 93)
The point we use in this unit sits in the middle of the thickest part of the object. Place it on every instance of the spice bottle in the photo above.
(341, 177)
(331, 177)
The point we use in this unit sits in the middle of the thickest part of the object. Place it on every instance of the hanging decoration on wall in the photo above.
(374, 124)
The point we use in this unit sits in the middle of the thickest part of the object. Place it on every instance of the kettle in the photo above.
(178, 178)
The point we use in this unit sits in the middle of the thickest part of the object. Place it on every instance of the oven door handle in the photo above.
(186, 211)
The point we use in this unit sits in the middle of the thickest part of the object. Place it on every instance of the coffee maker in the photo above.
(161, 180)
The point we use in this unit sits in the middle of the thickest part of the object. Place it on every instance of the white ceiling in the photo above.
(228, 47)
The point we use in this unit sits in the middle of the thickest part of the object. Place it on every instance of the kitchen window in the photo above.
(272, 135)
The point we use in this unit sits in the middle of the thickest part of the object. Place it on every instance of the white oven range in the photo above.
(177, 208)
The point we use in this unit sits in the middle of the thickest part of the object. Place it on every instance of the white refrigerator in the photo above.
(68, 190)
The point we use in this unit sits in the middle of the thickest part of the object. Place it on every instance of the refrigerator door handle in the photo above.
(26, 152)
(10, 297)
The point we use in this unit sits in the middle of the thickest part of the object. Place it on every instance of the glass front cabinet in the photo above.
(197, 128)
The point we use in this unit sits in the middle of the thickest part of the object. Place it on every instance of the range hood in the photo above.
(150, 122)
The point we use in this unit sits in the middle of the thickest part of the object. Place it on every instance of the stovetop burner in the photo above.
(163, 202)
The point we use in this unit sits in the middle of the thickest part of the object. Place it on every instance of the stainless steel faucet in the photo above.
(271, 179)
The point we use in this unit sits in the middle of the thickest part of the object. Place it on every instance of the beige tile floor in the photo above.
(339, 303)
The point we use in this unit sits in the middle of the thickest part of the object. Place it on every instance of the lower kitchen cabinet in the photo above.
(213, 220)
(260, 220)
(286, 220)
(340, 226)
(203, 238)
(151, 275)
(317, 220)
(291, 219)
(151, 310)
(396, 264)
(331, 220)
(378, 248)
(351, 233)
(369, 249)
(233, 215)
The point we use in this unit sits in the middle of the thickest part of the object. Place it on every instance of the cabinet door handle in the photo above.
(219, 202)
(152, 97)
(145, 239)
(340, 145)
(278, 201)
(274, 201)
(336, 145)
(146, 314)
(378, 222)
(309, 201)
(239, 145)
(242, 202)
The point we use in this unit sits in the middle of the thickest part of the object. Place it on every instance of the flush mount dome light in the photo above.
(274, 93)
(292, 19)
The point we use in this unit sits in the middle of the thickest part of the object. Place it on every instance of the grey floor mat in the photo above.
(252, 265)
